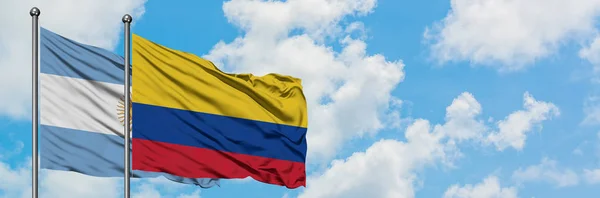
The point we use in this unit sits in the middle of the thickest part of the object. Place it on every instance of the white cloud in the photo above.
(488, 188)
(460, 118)
(389, 167)
(318, 18)
(512, 33)
(91, 22)
(547, 171)
(513, 129)
(592, 53)
(591, 176)
(15, 181)
(347, 92)
(146, 191)
(383, 170)
(195, 194)
(396, 120)
(71, 184)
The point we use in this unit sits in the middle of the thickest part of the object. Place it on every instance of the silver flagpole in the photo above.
(35, 13)
(127, 22)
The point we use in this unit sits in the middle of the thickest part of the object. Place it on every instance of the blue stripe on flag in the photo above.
(64, 57)
(219, 133)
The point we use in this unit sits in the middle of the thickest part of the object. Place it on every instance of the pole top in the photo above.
(127, 18)
(34, 11)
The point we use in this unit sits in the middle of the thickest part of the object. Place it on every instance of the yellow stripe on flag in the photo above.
(174, 79)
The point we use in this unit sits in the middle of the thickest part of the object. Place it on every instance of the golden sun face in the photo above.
(121, 111)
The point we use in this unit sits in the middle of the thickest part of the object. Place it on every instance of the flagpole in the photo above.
(127, 22)
(35, 13)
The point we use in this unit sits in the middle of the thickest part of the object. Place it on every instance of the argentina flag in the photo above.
(81, 111)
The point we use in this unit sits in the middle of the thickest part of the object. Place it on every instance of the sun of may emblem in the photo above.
(121, 111)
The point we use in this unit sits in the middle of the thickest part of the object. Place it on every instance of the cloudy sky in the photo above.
(430, 98)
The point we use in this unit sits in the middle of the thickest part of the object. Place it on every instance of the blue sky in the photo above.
(434, 98)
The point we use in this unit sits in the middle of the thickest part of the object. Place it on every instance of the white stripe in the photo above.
(80, 104)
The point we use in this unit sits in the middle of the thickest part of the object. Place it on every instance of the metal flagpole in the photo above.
(35, 13)
(127, 22)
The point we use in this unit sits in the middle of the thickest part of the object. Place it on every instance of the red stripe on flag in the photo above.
(192, 162)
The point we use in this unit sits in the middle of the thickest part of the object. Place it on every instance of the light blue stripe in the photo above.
(93, 154)
(65, 57)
